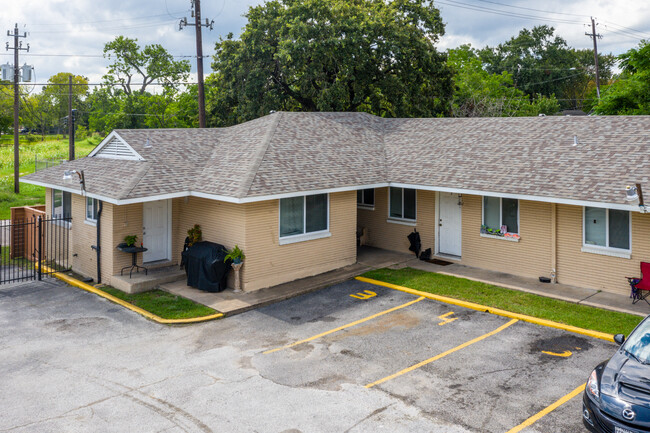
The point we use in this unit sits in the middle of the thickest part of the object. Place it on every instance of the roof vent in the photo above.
(114, 147)
(541, 115)
(575, 140)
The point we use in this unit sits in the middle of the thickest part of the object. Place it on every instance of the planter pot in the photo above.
(236, 267)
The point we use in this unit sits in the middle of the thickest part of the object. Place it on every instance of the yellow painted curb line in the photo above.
(80, 284)
(491, 310)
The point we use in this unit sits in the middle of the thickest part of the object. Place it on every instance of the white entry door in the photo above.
(449, 224)
(155, 230)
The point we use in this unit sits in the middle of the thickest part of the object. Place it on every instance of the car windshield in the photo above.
(638, 343)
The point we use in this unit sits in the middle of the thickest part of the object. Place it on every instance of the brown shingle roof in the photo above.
(288, 153)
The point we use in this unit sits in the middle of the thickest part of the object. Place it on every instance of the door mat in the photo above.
(439, 262)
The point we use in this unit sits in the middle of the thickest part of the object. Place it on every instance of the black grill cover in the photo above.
(205, 268)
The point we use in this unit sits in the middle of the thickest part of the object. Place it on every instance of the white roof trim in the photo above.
(520, 196)
(627, 207)
(102, 149)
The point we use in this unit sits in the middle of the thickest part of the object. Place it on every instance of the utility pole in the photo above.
(70, 121)
(595, 36)
(196, 13)
(17, 47)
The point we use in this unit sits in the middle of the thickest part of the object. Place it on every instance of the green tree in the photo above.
(57, 92)
(150, 64)
(482, 94)
(6, 108)
(542, 63)
(333, 55)
(630, 94)
(39, 113)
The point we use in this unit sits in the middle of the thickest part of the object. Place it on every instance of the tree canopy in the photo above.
(541, 63)
(630, 94)
(332, 55)
(479, 93)
(149, 64)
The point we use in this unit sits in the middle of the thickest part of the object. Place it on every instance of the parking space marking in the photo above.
(491, 310)
(530, 421)
(443, 354)
(366, 294)
(564, 354)
(446, 319)
(340, 328)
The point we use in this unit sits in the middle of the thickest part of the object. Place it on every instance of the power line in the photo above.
(126, 27)
(469, 6)
(76, 23)
(179, 56)
(98, 84)
(534, 10)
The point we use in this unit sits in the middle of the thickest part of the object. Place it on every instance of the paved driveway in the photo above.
(378, 361)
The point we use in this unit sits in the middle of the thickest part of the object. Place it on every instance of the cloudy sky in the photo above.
(69, 35)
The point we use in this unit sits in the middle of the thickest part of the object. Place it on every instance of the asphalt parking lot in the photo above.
(353, 357)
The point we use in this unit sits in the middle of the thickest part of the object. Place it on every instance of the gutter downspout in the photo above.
(98, 247)
(554, 242)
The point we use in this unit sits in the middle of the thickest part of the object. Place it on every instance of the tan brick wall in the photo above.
(530, 257)
(268, 263)
(594, 270)
(392, 236)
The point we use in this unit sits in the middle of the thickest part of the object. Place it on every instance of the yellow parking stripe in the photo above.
(331, 331)
(492, 310)
(530, 421)
(443, 354)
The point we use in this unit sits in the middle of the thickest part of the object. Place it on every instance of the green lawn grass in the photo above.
(30, 194)
(511, 300)
(162, 304)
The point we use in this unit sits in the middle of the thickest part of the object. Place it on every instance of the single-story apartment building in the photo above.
(542, 196)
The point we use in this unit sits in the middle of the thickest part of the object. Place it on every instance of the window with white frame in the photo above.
(499, 213)
(61, 204)
(304, 215)
(401, 203)
(606, 228)
(366, 197)
(92, 205)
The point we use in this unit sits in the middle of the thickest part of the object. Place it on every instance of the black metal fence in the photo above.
(34, 247)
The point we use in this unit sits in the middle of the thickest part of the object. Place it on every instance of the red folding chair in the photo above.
(640, 286)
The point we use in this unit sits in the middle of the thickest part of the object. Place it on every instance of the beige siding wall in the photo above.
(594, 270)
(530, 257)
(268, 263)
(124, 221)
(221, 222)
(392, 236)
(83, 259)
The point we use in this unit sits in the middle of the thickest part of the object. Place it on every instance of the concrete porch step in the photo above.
(139, 282)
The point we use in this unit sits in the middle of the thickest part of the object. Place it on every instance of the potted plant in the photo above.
(194, 235)
(236, 255)
(130, 240)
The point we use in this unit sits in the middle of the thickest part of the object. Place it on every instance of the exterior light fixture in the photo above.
(631, 193)
(69, 174)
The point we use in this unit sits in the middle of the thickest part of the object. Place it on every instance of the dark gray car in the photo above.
(617, 395)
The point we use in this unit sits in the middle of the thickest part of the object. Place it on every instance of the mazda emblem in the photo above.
(628, 414)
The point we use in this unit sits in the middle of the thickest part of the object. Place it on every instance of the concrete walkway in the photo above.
(229, 302)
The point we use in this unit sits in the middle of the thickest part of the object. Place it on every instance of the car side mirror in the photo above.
(619, 338)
